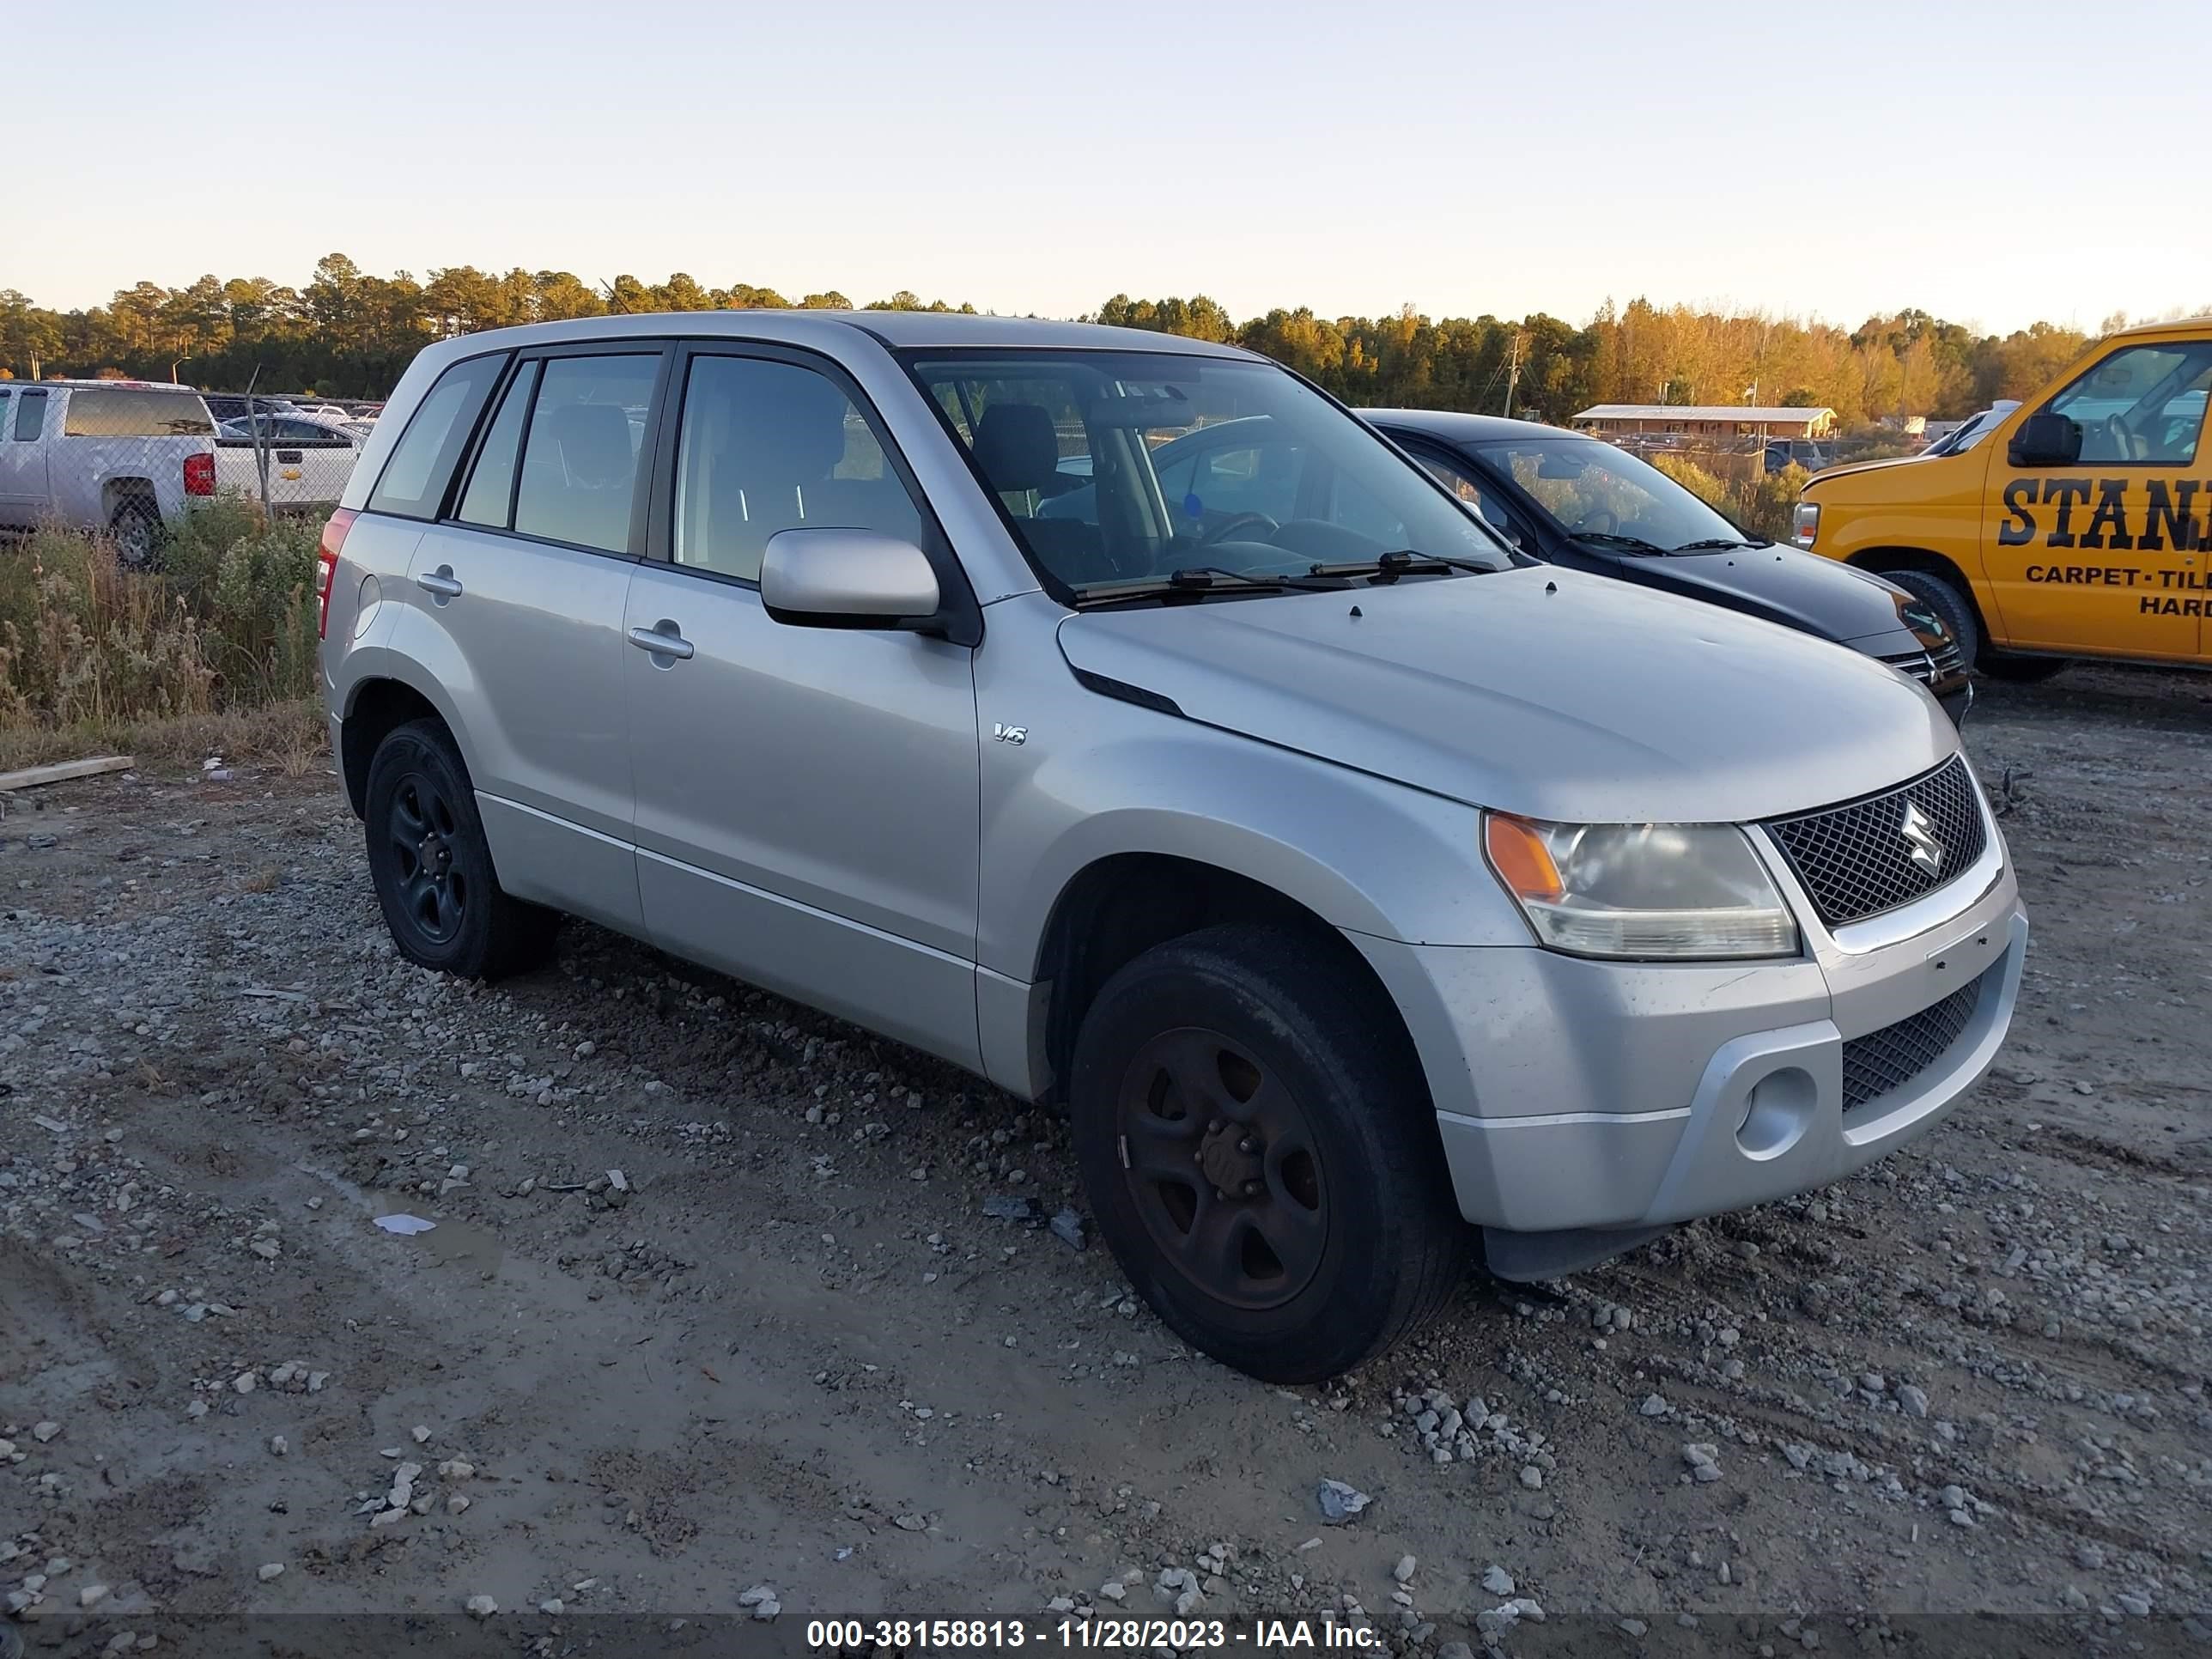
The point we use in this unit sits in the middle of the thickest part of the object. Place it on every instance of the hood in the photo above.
(1799, 590)
(1540, 691)
(1845, 472)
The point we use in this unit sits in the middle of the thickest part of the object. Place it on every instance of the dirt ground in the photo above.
(785, 1348)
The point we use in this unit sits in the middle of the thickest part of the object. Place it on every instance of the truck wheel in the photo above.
(2021, 671)
(431, 865)
(136, 525)
(1948, 603)
(1260, 1158)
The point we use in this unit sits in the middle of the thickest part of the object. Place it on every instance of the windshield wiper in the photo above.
(1196, 579)
(1406, 562)
(1714, 543)
(1607, 538)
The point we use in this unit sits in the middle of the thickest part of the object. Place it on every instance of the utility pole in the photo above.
(1512, 375)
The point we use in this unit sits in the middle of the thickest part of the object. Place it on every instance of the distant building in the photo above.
(1709, 422)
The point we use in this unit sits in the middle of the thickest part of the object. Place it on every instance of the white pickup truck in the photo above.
(132, 455)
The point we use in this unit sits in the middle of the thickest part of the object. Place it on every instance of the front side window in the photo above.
(1164, 486)
(422, 462)
(1610, 498)
(2143, 403)
(30, 414)
(579, 461)
(769, 445)
(1465, 485)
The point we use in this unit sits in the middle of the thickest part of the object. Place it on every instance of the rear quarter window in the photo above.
(128, 412)
(421, 463)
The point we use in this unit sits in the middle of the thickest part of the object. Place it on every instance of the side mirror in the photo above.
(848, 579)
(2045, 440)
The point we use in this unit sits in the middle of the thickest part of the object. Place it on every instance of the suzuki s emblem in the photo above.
(1013, 734)
(1919, 837)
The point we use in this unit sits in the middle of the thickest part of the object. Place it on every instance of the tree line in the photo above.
(349, 333)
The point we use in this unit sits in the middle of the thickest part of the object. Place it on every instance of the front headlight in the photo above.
(1917, 615)
(1649, 892)
(1804, 523)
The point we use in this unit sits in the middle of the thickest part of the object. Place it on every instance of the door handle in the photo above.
(441, 582)
(662, 640)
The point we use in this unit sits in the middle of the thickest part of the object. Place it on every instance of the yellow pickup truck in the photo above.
(2079, 524)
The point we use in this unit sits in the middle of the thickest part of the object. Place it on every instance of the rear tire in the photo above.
(432, 865)
(1942, 596)
(1262, 1155)
(2021, 671)
(136, 524)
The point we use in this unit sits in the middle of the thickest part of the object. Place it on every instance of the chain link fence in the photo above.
(131, 457)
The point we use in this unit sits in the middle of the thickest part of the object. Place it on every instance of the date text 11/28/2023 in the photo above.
(854, 1636)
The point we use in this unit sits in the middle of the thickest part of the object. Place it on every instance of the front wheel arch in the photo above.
(1890, 561)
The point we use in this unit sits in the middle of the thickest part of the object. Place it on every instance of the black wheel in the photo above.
(1262, 1155)
(431, 865)
(136, 524)
(1948, 602)
(2021, 671)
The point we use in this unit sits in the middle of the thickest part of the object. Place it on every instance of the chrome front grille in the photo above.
(1889, 1059)
(1929, 667)
(1874, 854)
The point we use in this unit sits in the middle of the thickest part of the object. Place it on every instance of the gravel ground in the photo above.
(714, 1323)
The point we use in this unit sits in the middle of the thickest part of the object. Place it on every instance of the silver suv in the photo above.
(1348, 880)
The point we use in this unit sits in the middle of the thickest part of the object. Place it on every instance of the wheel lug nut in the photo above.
(1197, 1157)
(1218, 1126)
(1248, 1145)
(1253, 1189)
(1219, 1193)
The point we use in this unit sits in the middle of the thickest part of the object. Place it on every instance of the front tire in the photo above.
(1941, 595)
(432, 865)
(1260, 1150)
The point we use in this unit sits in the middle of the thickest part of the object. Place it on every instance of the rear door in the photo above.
(23, 497)
(2107, 555)
(807, 798)
(514, 601)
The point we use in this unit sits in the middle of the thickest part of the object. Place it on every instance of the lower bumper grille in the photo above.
(1891, 1058)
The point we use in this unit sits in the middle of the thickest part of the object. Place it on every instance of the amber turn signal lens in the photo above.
(1517, 852)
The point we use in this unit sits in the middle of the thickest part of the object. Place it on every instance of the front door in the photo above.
(807, 814)
(516, 598)
(2107, 555)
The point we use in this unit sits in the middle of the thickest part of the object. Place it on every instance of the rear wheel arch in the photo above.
(377, 708)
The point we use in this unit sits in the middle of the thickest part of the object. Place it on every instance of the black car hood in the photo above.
(1779, 584)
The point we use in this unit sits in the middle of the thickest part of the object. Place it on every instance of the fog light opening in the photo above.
(1776, 1112)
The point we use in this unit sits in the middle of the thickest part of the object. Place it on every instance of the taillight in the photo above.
(326, 564)
(199, 474)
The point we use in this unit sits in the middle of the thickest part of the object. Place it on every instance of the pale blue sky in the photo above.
(1994, 163)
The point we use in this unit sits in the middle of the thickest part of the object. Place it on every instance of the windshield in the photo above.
(1114, 467)
(1595, 490)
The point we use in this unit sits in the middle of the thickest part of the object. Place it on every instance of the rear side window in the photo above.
(422, 461)
(116, 412)
(490, 493)
(30, 415)
(579, 460)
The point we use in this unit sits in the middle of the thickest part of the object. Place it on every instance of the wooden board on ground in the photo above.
(61, 771)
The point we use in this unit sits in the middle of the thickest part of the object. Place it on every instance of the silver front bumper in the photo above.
(1580, 1095)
